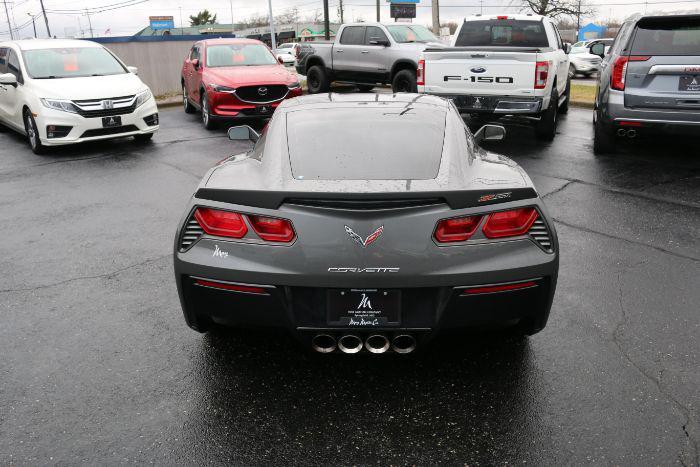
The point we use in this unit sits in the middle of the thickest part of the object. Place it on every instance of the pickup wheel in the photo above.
(317, 80)
(404, 81)
(564, 108)
(546, 128)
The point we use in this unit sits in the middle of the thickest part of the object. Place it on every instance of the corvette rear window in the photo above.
(376, 143)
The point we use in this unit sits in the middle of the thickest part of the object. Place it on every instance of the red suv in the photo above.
(234, 78)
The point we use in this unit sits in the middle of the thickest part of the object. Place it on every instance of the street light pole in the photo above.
(33, 23)
(231, 5)
(272, 29)
(89, 22)
(436, 17)
(9, 25)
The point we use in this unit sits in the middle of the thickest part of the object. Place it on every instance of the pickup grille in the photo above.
(262, 94)
(540, 234)
(190, 234)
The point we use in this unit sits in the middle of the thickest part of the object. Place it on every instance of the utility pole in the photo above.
(326, 22)
(33, 23)
(578, 19)
(436, 17)
(379, 18)
(272, 29)
(9, 25)
(46, 20)
(231, 4)
(89, 22)
(340, 10)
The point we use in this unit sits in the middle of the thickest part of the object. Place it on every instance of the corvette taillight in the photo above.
(272, 229)
(509, 223)
(457, 229)
(221, 223)
(420, 73)
(541, 74)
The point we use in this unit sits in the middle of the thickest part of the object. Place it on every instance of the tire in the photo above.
(317, 80)
(572, 71)
(564, 107)
(207, 121)
(365, 87)
(603, 138)
(189, 108)
(546, 128)
(145, 138)
(33, 134)
(404, 81)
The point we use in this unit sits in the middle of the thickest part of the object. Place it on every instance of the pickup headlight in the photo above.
(142, 97)
(219, 88)
(296, 85)
(60, 104)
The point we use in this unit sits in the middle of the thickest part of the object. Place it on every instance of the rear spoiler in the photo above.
(454, 199)
(491, 49)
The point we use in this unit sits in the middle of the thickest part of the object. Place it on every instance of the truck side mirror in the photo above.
(490, 133)
(379, 41)
(243, 133)
(567, 48)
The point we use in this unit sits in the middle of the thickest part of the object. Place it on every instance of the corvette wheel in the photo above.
(189, 108)
(33, 134)
(206, 116)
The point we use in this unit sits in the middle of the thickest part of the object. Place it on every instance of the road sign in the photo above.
(402, 10)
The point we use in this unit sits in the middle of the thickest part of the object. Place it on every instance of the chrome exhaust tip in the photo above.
(377, 343)
(403, 343)
(632, 134)
(323, 343)
(621, 132)
(349, 343)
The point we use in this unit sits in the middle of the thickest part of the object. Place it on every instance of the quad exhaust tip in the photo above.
(403, 343)
(377, 343)
(350, 343)
(323, 343)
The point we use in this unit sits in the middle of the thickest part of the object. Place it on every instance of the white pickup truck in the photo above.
(501, 65)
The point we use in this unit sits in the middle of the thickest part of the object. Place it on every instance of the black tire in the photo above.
(546, 128)
(572, 71)
(603, 137)
(207, 121)
(404, 81)
(189, 108)
(145, 138)
(33, 134)
(317, 80)
(564, 107)
(365, 87)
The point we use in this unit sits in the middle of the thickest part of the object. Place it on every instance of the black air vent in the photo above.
(190, 234)
(540, 235)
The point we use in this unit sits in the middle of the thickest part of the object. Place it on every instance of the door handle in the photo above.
(365, 51)
(339, 50)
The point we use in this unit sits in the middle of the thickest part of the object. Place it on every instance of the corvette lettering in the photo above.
(480, 79)
(364, 270)
(494, 197)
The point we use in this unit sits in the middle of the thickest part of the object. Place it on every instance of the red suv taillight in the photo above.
(457, 229)
(541, 74)
(509, 223)
(617, 78)
(272, 229)
(232, 225)
(420, 73)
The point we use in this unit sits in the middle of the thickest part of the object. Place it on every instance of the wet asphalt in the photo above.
(98, 367)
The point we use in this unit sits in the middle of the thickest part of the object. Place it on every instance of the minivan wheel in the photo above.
(189, 108)
(207, 121)
(546, 128)
(603, 138)
(404, 81)
(317, 80)
(33, 134)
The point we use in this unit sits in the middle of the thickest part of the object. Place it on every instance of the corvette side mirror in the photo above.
(490, 133)
(243, 133)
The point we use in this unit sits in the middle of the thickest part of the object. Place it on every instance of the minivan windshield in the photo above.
(413, 33)
(71, 62)
(667, 36)
(221, 55)
(502, 32)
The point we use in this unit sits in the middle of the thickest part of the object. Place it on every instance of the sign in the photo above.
(402, 10)
(403, 1)
(161, 22)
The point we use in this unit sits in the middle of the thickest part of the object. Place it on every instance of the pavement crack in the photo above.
(615, 237)
(80, 278)
(561, 188)
(693, 452)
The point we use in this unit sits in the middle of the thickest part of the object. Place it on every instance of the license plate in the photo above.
(689, 83)
(364, 307)
(264, 109)
(109, 122)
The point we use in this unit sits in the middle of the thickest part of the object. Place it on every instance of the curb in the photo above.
(582, 104)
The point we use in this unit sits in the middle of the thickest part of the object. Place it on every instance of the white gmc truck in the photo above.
(500, 65)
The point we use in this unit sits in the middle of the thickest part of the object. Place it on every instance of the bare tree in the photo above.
(289, 16)
(557, 8)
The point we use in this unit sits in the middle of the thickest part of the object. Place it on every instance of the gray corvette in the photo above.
(366, 223)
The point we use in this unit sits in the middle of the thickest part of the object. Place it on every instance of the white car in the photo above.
(583, 62)
(68, 91)
(287, 53)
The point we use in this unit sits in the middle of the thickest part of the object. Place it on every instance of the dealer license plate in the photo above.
(689, 83)
(109, 122)
(364, 307)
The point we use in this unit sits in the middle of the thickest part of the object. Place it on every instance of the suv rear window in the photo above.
(380, 143)
(667, 36)
(502, 32)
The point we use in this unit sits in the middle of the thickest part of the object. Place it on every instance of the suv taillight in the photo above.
(232, 225)
(420, 73)
(541, 74)
(617, 79)
(509, 223)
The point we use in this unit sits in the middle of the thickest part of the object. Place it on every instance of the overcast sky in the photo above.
(65, 17)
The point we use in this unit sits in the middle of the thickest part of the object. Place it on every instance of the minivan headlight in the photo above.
(60, 104)
(142, 97)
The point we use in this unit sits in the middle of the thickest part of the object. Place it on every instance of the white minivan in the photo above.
(68, 91)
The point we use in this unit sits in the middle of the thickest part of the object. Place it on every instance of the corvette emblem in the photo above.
(371, 238)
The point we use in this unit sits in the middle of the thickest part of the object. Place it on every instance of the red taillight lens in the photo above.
(498, 288)
(272, 229)
(221, 223)
(617, 78)
(458, 229)
(252, 289)
(509, 223)
(501, 17)
(420, 73)
(541, 74)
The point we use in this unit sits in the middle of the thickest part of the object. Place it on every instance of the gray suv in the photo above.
(649, 81)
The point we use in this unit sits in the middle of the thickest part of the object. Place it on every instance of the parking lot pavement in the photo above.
(98, 366)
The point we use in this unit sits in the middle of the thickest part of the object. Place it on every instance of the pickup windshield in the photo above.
(502, 32)
(412, 33)
(222, 55)
(71, 63)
